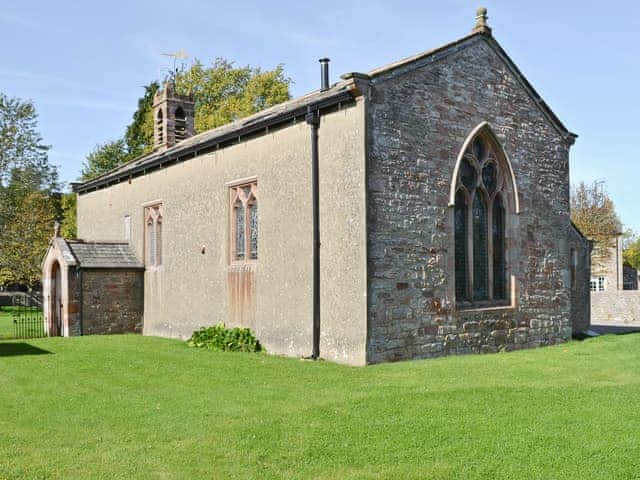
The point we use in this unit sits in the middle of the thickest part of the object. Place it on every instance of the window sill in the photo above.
(484, 308)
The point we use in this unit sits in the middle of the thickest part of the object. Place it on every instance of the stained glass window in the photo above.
(461, 246)
(468, 175)
(479, 149)
(480, 249)
(254, 230)
(490, 177)
(480, 226)
(244, 222)
(240, 242)
(499, 280)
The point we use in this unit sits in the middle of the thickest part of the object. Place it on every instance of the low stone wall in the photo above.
(621, 307)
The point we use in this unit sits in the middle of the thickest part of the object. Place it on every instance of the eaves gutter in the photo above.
(212, 144)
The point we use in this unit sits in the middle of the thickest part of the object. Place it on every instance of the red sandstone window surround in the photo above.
(153, 235)
(243, 222)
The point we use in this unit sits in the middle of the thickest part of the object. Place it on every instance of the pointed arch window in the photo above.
(153, 235)
(481, 198)
(244, 222)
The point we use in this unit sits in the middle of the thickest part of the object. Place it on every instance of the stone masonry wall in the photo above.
(580, 286)
(620, 307)
(420, 118)
(112, 301)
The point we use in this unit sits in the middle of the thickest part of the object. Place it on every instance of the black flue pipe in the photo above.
(313, 120)
(324, 74)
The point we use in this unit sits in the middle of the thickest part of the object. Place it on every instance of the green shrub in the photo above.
(220, 338)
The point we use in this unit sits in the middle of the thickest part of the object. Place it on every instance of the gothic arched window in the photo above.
(244, 222)
(153, 235)
(481, 193)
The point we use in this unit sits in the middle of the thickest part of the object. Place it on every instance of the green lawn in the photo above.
(33, 329)
(6, 323)
(131, 407)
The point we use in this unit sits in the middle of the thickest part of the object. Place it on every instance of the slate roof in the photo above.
(341, 91)
(103, 254)
(257, 122)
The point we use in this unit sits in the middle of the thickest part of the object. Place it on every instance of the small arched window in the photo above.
(180, 124)
(480, 224)
(153, 235)
(244, 222)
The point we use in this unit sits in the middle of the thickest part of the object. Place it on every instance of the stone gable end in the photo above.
(420, 117)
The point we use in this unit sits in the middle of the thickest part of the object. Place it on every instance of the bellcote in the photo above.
(172, 117)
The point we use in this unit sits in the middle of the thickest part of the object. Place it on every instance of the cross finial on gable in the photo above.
(481, 22)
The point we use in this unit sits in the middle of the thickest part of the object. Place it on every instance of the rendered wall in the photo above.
(193, 289)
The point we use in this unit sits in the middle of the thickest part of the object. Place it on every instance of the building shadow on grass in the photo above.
(14, 349)
(615, 329)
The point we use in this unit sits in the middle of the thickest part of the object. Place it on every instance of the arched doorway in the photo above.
(55, 301)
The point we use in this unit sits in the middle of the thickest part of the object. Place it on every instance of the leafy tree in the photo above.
(20, 143)
(593, 211)
(631, 249)
(103, 158)
(25, 238)
(222, 93)
(68, 227)
(139, 134)
(28, 193)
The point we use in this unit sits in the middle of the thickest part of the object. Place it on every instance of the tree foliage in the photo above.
(631, 249)
(25, 239)
(20, 143)
(68, 226)
(29, 198)
(593, 211)
(222, 93)
(139, 134)
(103, 158)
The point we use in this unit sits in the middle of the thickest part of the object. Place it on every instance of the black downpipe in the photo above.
(313, 119)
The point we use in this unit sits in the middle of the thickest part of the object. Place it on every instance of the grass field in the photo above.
(6, 323)
(131, 407)
(7, 329)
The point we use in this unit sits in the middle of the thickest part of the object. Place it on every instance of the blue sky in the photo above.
(84, 63)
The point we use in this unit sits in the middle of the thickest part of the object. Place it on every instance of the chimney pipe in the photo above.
(324, 74)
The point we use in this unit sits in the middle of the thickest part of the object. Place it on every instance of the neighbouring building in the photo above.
(417, 210)
(615, 298)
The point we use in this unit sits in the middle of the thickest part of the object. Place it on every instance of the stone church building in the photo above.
(417, 210)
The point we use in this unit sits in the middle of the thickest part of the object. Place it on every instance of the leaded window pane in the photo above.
(490, 177)
(480, 249)
(239, 227)
(479, 150)
(468, 175)
(254, 229)
(499, 267)
(461, 247)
